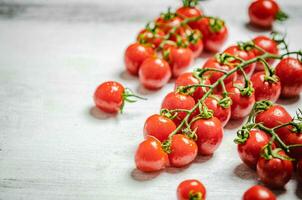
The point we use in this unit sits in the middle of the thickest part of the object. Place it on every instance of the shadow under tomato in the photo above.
(234, 124)
(126, 76)
(288, 101)
(253, 28)
(201, 159)
(176, 170)
(143, 176)
(98, 114)
(299, 190)
(244, 172)
(143, 91)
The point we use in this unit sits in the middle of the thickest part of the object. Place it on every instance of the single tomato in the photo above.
(191, 189)
(153, 36)
(259, 192)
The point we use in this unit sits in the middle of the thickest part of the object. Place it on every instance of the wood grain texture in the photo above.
(55, 145)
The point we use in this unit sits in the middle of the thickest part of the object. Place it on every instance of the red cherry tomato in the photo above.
(154, 73)
(292, 138)
(195, 43)
(299, 169)
(214, 75)
(263, 13)
(150, 156)
(241, 104)
(249, 152)
(268, 45)
(180, 59)
(183, 151)
(259, 192)
(275, 172)
(191, 189)
(244, 55)
(189, 12)
(175, 100)
(159, 127)
(135, 55)
(153, 37)
(289, 71)
(274, 116)
(209, 135)
(188, 78)
(109, 96)
(266, 89)
(223, 114)
(167, 22)
(214, 33)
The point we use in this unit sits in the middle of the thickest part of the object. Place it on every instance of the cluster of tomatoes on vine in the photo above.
(169, 44)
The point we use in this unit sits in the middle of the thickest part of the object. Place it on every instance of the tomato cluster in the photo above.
(169, 44)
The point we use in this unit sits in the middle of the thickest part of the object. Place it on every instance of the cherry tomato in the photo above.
(292, 138)
(195, 43)
(175, 100)
(274, 172)
(259, 192)
(151, 36)
(209, 135)
(299, 169)
(244, 55)
(274, 116)
(289, 71)
(214, 75)
(223, 114)
(268, 45)
(189, 12)
(167, 21)
(249, 152)
(159, 127)
(266, 89)
(154, 73)
(180, 59)
(183, 151)
(191, 189)
(150, 156)
(188, 78)
(109, 96)
(135, 55)
(214, 33)
(241, 104)
(263, 13)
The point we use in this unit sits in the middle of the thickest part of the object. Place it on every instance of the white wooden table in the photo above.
(54, 145)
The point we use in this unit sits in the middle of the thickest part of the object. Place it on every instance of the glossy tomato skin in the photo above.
(196, 48)
(265, 90)
(135, 55)
(249, 152)
(109, 96)
(299, 170)
(183, 151)
(213, 40)
(245, 55)
(154, 38)
(175, 100)
(167, 24)
(274, 116)
(268, 45)
(154, 73)
(150, 156)
(263, 13)
(214, 76)
(180, 59)
(188, 78)
(241, 105)
(292, 138)
(259, 192)
(159, 127)
(189, 12)
(275, 172)
(209, 135)
(289, 71)
(223, 114)
(187, 189)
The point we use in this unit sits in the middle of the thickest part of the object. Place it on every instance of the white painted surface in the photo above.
(55, 145)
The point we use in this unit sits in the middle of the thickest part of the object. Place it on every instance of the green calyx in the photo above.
(225, 102)
(130, 97)
(248, 90)
(190, 3)
(168, 15)
(194, 36)
(244, 133)
(268, 153)
(297, 122)
(168, 114)
(216, 24)
(281, 16)
(205, 112)
(263, 105)
(166, 146)
(195, 195)
(246, 46)
(224, 58)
